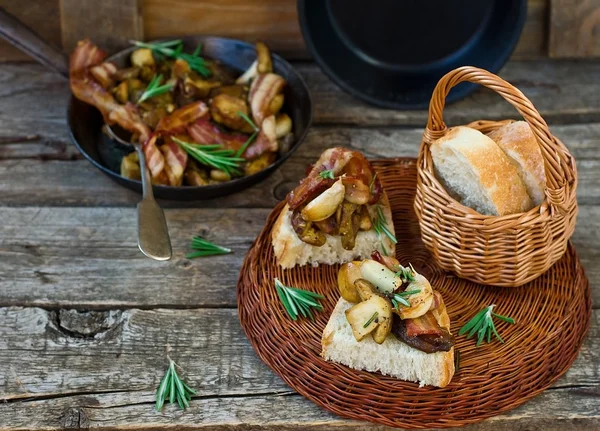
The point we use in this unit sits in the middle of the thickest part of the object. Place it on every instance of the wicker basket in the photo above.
(507, 250)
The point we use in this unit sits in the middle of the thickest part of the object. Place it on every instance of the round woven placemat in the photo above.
(552, 315)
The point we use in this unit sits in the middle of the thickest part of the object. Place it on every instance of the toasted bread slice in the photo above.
(393, 358)
(291, 250)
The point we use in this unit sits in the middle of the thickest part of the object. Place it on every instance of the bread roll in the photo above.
(519, 144)
(476, 172)
(393, 358)
(291, 250)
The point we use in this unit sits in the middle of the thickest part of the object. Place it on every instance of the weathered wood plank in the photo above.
(574, 29)
(109, 23)
(87, 258)
(105, 379)
(550, 411)
(564, 91)
(276, 23)
(63, 178)
(561, 91)
(43, 16)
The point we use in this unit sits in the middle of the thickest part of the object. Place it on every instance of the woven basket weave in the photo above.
(552, 314)
(502, 251)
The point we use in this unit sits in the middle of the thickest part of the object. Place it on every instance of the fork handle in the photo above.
(153, 234)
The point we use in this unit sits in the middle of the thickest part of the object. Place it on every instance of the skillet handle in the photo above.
(28, 41)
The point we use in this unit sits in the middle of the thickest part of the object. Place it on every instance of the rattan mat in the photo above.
(552, 315)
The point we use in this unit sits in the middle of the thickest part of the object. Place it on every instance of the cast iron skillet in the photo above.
(85, 121)
(391, 53)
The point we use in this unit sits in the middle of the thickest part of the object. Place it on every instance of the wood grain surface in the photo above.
(86, 320)
(109, 23)
(105, 378)
(276, 23)
(43, 16)
(273, 21)
(574, 29)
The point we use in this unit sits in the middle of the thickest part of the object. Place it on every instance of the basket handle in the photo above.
(556, 159)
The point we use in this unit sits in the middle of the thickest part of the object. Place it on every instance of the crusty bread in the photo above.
(394, 357)
(477, 172)
(291, 250)
(519, 144)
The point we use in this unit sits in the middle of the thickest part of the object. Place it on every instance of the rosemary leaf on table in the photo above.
(172, 389)
(482, 324)
(204, 248)
(297, 301)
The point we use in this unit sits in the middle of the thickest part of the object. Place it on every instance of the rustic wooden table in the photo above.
(85, 318)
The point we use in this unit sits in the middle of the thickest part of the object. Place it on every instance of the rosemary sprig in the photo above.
(483, 325)
(380, 225)
(172, 389)
(400, 297)
(155, 89)
(406, 274)
(248, 120)
(373, 317)
(206, 248)
(214, 156)
(174, 49)
(327, 174)
(298, 301)
(252, 136)
(372, 183)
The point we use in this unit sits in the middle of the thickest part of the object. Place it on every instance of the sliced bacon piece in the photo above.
(128, 117)
(266, 141)
(87, 88)
(423, 325)
(154, 158)
(86, 54)
(262, 92)
(391, 262)
(181, 118)
(334, 159)
(175, 161)
(426, 334)
(202, 131)
(104, 73)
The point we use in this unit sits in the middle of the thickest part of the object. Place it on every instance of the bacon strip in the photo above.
(391, 262)
(86, 87)
(167, 162)
(104, 73)
(86, 54)
(175, 161)
(178, 120)
(262, 92)
(266, 141)
(154, 158)
(340, 161)
(423, 325)
(202, 131)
